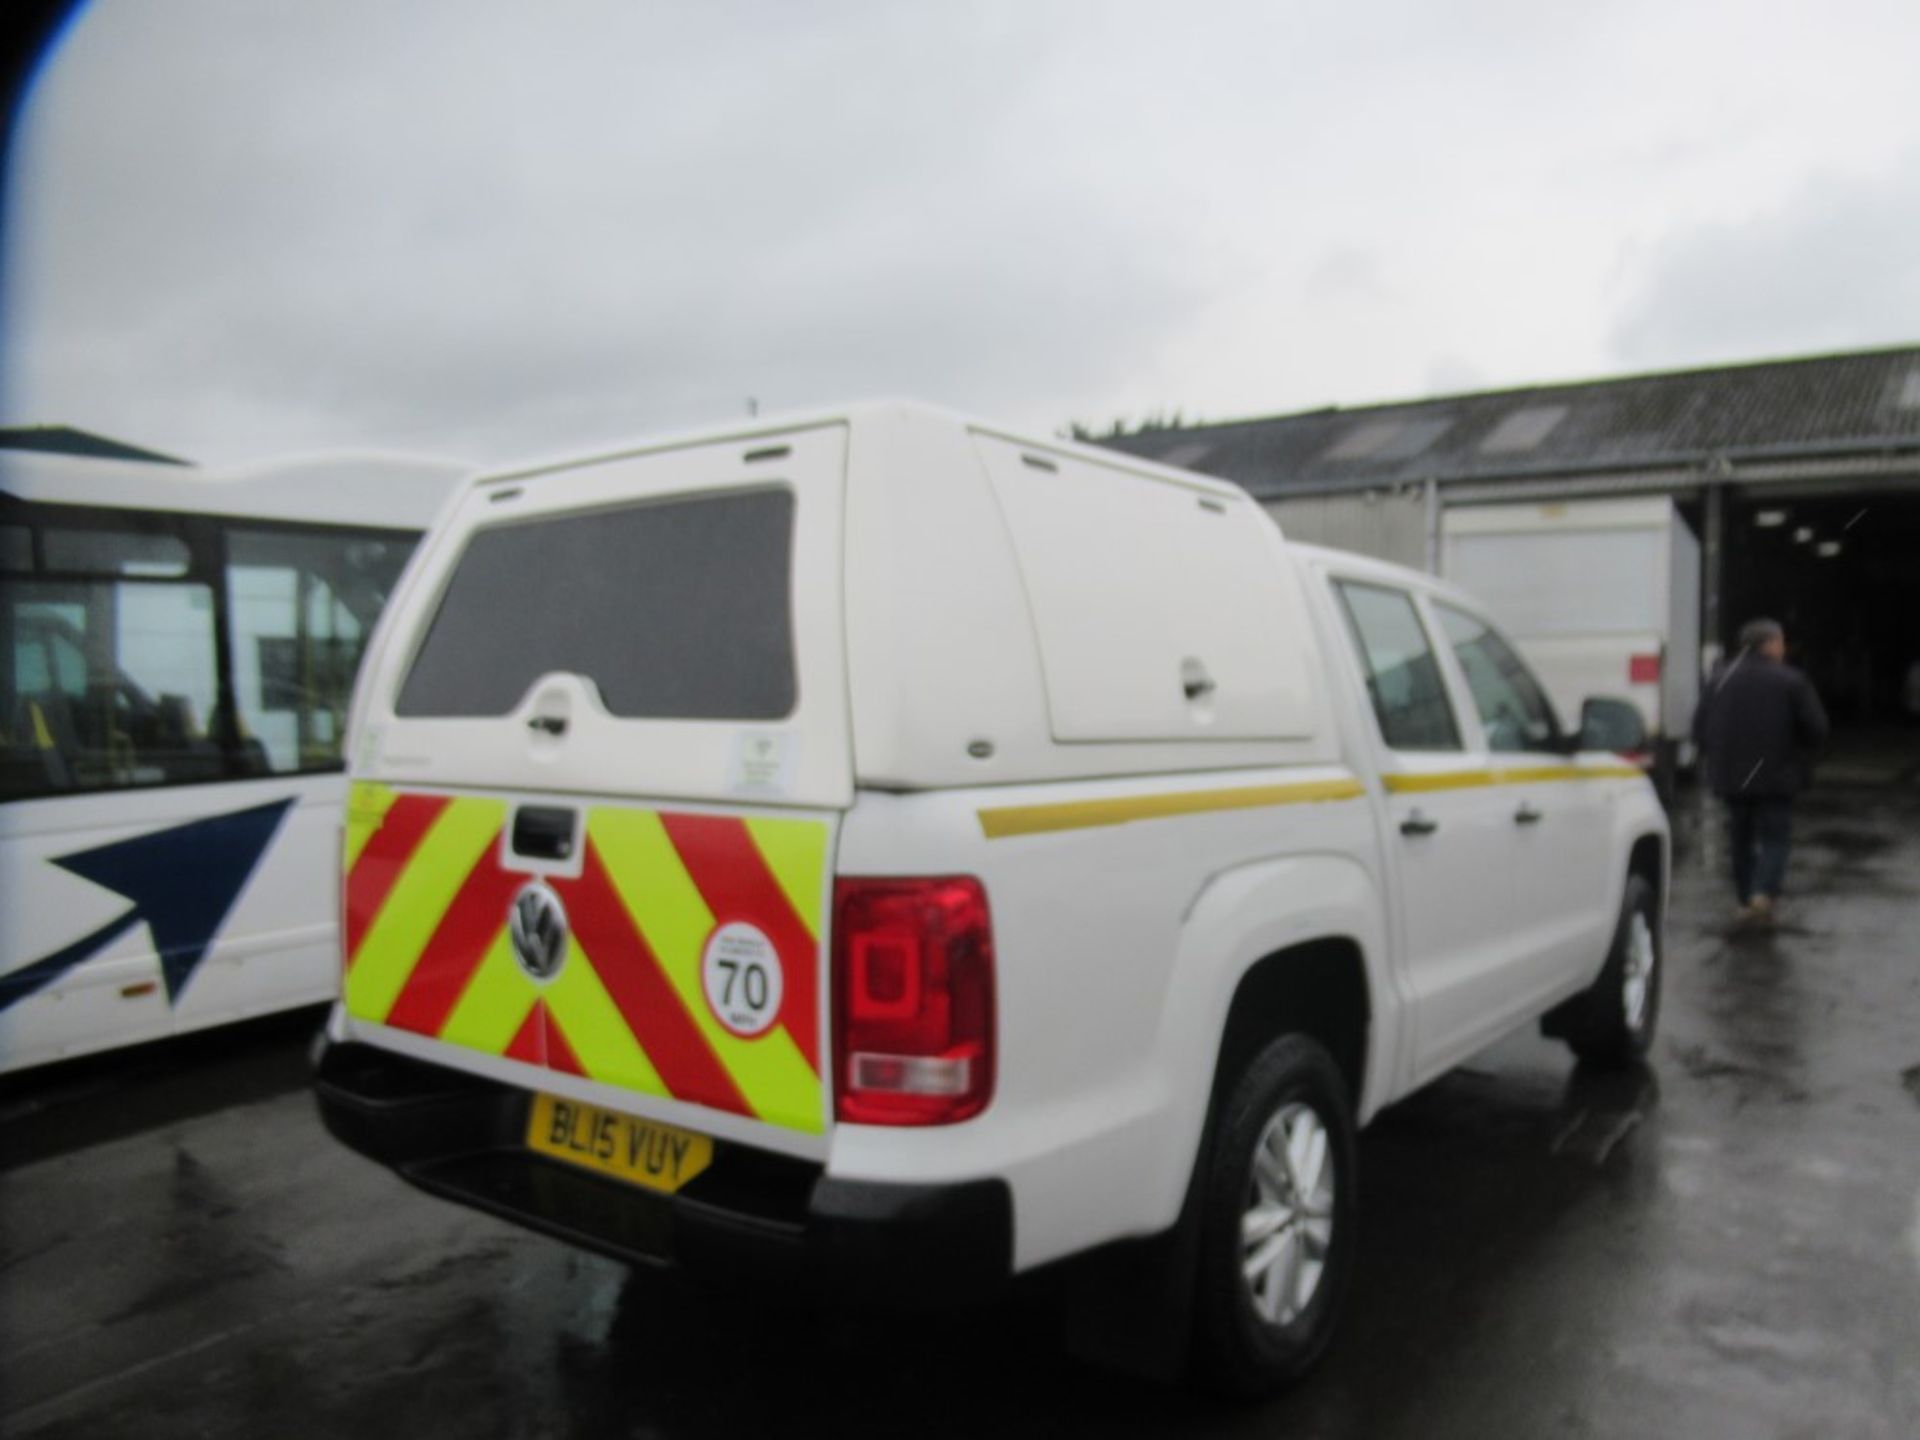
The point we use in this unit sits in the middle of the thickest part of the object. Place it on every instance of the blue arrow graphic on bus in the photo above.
(182, 882)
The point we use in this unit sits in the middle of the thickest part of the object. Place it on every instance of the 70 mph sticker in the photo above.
(744, 982)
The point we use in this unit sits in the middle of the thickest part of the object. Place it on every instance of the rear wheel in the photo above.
(1613, 1023)
(1277, 1220)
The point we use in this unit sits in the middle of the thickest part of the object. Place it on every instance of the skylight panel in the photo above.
(1523, 429)
(1394, 439)
(1191, 452)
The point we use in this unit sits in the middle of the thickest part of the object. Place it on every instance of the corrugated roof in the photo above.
(1837, 402)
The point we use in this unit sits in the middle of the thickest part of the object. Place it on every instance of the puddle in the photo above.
(1749, 1082)
(1850, 844)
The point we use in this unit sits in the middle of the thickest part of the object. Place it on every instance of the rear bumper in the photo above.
(460, 1137)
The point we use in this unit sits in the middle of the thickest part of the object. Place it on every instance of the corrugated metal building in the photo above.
(1799, 478)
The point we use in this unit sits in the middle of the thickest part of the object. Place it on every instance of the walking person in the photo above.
(1759, 727)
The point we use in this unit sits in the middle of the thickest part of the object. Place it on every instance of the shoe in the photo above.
(1761, 909)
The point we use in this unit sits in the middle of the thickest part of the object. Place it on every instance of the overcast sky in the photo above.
(495, 228)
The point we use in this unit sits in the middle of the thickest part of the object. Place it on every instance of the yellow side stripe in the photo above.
(671, 914)
(1537, 773)
(1004, 821)
(1453, 780)
(1531, 775)
(419, 900)
(494, 1004)
(596, 1030)
(367, 806)
(1001, 822)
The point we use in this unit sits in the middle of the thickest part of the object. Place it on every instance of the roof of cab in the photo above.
(1366, 567)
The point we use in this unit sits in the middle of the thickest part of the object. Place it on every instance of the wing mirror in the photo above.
(1616, 725)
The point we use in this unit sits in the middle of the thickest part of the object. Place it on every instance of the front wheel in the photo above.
(1277, 1220)
(1612, 1023)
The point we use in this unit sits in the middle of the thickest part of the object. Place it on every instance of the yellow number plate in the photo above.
(641, 1152)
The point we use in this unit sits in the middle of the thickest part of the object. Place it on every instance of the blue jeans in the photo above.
(1761, 832)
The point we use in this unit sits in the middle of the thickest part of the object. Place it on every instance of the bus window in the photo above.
(91, 551)
(302, 603)
(112, 671)
(110, 684)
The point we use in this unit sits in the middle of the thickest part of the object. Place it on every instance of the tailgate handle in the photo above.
(550, 724)
(543, 832)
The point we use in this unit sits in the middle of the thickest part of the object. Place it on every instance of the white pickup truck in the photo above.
(884, 844)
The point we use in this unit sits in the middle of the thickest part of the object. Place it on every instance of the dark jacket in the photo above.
(1759, 725)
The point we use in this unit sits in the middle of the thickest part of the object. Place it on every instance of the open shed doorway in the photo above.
(1842, 574)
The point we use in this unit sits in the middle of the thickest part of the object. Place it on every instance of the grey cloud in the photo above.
(445, 226)
(488, 227)
(1451, 374)
(1836, 267)
(1351, 268)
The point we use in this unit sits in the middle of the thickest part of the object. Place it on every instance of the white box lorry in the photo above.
(1601, 596)
(884, 844)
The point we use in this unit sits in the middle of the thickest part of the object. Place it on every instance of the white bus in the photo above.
(178, 652)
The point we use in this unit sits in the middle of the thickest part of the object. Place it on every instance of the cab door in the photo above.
(1446, 831)
(1558, 819)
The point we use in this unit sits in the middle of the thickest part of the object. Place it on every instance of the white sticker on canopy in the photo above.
(763, 763)
(743, 979)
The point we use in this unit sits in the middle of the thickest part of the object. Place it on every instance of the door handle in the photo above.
(1418, 824)
(543, 832)
(1526, 815)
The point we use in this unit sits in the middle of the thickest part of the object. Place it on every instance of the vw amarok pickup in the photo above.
(917, 851)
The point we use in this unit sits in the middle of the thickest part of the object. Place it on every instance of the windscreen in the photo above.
(675, 609)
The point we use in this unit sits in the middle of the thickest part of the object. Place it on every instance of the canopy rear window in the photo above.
(675, 609)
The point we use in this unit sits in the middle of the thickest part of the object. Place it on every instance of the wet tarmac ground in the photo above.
(1724, 1244)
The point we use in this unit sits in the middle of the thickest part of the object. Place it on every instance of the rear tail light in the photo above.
(913, 1000)
(1643, 669)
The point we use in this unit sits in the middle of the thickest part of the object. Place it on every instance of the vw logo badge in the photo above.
(539, 929)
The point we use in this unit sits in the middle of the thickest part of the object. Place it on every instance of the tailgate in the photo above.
(656, 959)
(599, 757)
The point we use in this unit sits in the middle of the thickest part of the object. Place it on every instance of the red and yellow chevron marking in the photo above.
(427, 948)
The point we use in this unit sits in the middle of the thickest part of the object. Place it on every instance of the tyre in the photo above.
(1612, 1023)
(1277, 1220)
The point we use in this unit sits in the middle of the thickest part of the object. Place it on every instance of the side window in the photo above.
(1513, 707)
(302, 603)
(16, 549)
(110, 684)
(112, 671)
(1403, 674)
